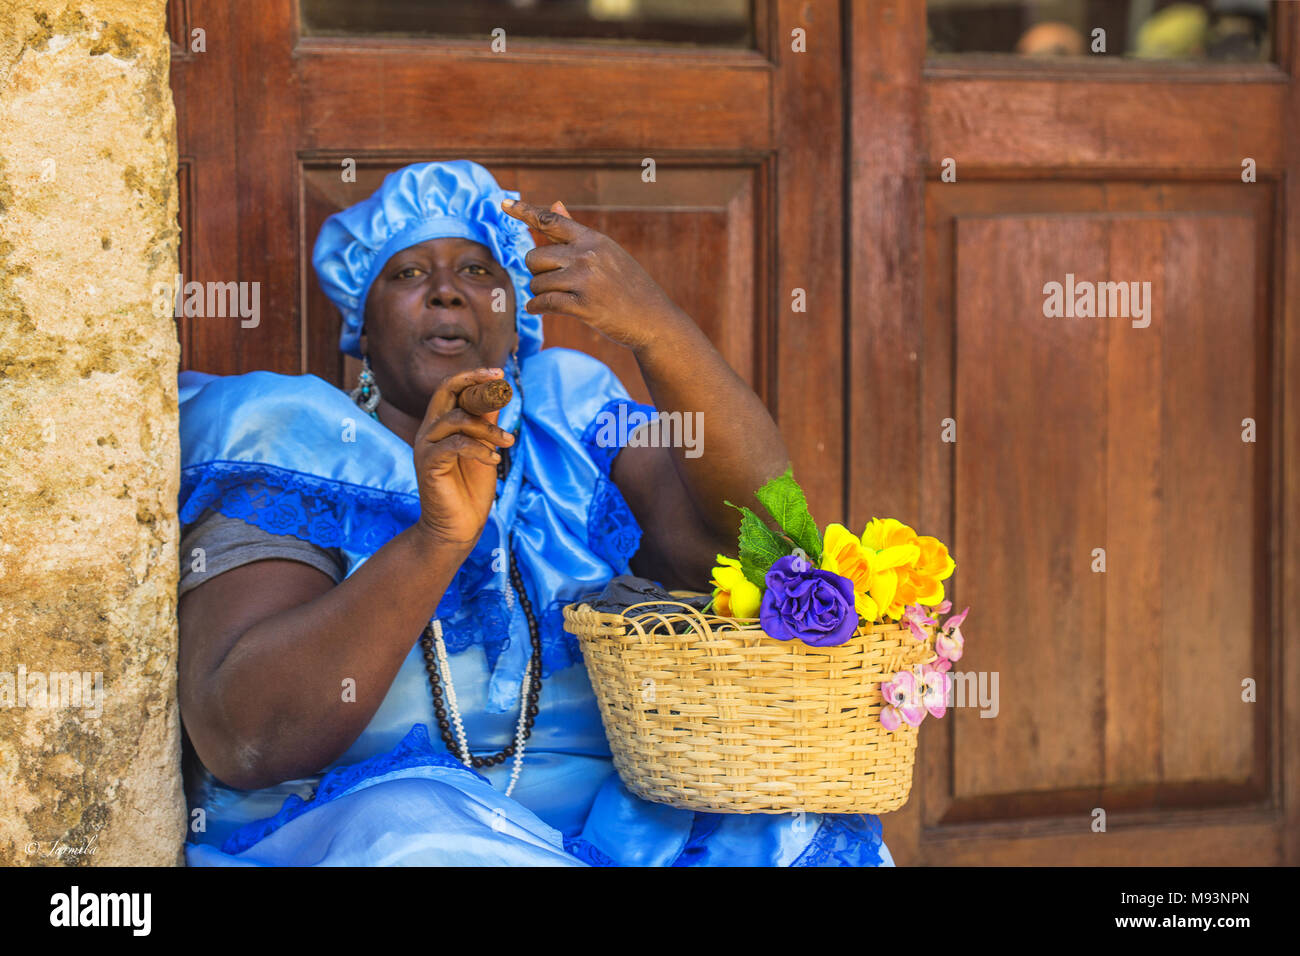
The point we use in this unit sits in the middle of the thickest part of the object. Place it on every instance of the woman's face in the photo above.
(430, 314)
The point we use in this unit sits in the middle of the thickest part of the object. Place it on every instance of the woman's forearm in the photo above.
(297, 689)
(740, 446)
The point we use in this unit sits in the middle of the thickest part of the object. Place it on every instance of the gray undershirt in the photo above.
(231, 542)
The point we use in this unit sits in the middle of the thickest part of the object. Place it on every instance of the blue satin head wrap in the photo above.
(457, 199)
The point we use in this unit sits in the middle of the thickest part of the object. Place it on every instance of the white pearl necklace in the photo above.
(441, 650)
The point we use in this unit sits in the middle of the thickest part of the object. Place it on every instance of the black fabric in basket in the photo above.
(628, 589)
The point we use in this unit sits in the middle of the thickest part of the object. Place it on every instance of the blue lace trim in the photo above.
(844, 839)
(415, 750)
(840, 840)
(612, 531)
(325, 512)
(603, 454)
(483, 618)
(560, 649)
(587, 852)
(702, 828)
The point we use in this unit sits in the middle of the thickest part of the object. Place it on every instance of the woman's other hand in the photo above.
(456, 462)
(586, 274)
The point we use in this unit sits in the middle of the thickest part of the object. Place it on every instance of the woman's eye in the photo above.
(482, 271)
(407, 272)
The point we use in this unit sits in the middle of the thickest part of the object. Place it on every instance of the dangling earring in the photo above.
(366, 394)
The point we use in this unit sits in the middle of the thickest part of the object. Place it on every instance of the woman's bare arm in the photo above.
(677, 493)
(265, 649)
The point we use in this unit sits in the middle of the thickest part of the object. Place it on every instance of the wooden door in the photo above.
(1165, 445)
(745, 206)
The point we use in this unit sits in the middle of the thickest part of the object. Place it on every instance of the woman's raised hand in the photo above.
(456, 462)
(586, 274)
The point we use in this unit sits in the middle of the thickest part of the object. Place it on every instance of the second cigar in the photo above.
(486, 397)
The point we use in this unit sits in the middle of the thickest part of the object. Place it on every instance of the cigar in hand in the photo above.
(486, 397)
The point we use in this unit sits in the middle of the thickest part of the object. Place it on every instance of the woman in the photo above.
(320, 543)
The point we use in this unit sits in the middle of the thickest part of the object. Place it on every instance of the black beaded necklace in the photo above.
(534, 665)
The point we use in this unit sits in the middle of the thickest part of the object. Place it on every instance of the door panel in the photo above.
(1184, 128)
(1105, 435)
(1119, 690)
(404, 93)
(1028, 497)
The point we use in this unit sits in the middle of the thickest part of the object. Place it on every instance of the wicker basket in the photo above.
(727, 719)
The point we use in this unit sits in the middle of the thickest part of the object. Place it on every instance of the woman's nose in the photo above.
(444, 293)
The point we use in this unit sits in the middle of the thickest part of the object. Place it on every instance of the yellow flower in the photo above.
(881, 533)
(734, 595)
(918, 577)
(873, 572)
(932, 567)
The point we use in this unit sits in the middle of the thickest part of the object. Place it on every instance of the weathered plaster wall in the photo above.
(88, 446)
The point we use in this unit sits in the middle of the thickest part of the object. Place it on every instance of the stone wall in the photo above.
(88, 441)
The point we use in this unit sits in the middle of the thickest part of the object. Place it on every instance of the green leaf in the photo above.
(759, 547)
(785, 500)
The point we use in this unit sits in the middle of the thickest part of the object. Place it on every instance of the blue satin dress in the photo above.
(294, 455)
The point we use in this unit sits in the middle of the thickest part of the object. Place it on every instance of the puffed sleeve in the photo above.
(599, 411)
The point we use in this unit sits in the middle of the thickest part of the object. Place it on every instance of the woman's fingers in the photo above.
(455, 447)
(543, 259)
(555, 303)
(446, 395)
(459, 421)
(549, 256)
(553, 225)
(557, 280)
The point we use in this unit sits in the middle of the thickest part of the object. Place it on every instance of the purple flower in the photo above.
(801, 601)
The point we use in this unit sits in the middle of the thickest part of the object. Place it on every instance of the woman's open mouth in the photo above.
(447, 344)
(447, 341)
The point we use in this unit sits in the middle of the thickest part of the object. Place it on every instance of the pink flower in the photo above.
(916, 616)
(902, 701)
(949, 643)
(935, 683)
(950, 646)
